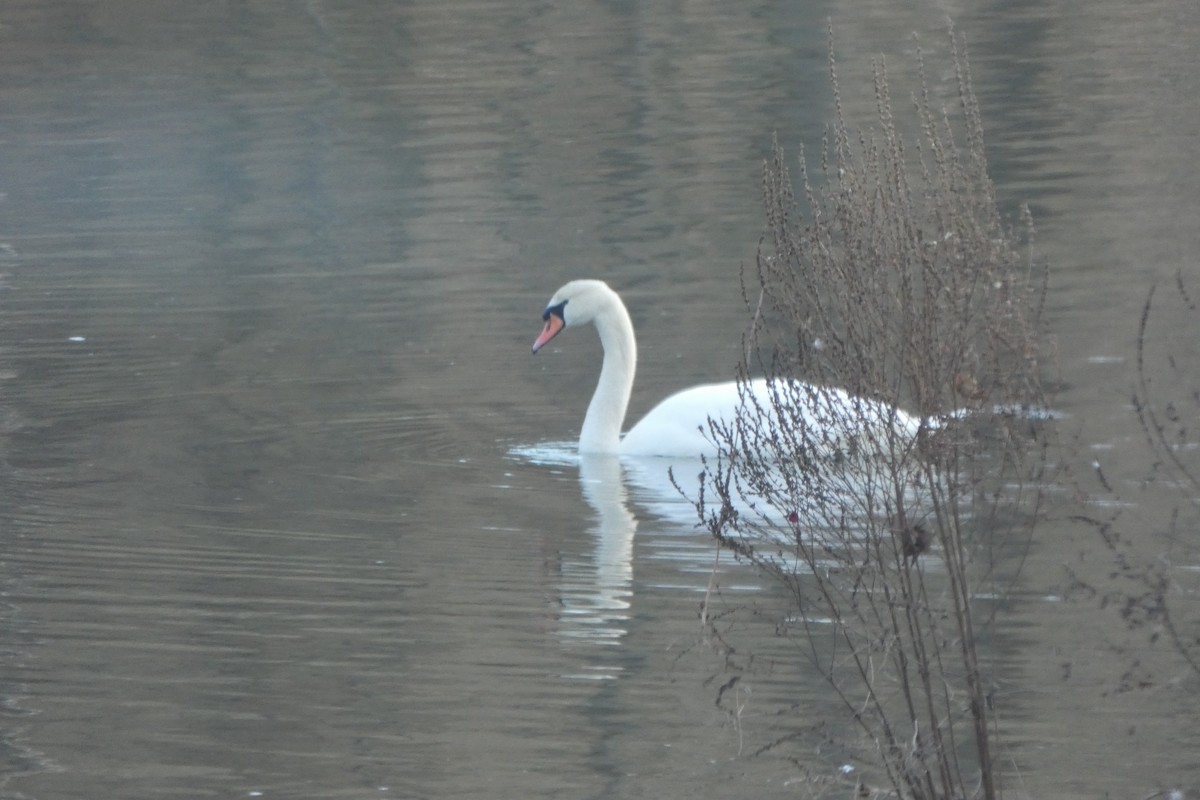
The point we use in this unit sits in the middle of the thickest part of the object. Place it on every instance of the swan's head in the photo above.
(577, 303)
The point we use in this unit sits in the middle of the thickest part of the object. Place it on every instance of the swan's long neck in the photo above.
(602, 426)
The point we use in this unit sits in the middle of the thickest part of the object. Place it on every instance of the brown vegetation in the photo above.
(896, 279)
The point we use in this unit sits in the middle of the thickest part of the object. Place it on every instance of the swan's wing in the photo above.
(678, 426)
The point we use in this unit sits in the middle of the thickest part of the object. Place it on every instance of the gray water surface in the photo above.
(269, 274)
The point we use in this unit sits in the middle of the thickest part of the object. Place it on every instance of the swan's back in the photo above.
(679, 425)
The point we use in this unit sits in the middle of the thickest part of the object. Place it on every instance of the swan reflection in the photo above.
(597, 587)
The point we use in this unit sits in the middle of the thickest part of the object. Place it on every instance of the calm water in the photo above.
(269, 273)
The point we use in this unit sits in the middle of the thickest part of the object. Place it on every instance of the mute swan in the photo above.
(678, 425)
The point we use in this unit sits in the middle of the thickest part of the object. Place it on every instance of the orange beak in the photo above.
(554, 324)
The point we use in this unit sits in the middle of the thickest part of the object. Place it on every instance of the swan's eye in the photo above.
(556, 311)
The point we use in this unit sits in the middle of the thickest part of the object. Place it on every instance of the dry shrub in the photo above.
(1167, 401)
(1149, 578)
(896, 279)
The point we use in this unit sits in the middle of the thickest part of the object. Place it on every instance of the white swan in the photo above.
(678, 425)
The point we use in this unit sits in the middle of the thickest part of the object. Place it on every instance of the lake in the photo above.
(286, 510)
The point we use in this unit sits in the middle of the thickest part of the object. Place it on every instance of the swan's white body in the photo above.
(677, 426)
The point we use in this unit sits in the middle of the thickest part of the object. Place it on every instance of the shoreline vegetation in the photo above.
(886, 269)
